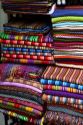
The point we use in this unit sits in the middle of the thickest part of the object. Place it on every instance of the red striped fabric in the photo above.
(65, 74)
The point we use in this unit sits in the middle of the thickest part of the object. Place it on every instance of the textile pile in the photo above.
(21, 91)
(63, 83)
(51, 95)
(27, 42)
(67, 25)
(27, 6)
(63, 90)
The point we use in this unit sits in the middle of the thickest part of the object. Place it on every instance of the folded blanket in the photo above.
(29, 38)
(22, 102)
(50, 116)
(71, 75)
(20, 89)
(61, 85)
(62, 88)
(26, 61)
(27, 6)
(67, 12)
(28, 56)
(71, 64)
(20, 107)
(22, 95)
(62, 100)
(67, 24)
(63, 94)
(65, 109)
(67, 18)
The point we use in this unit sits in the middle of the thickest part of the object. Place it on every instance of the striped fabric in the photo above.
(20, 107)
(26, 28)
(32, 38)
(62, 88)
(68, 34)
(71, 75)
(20, 101)
(57, 85)
(27, 43)
(63, 93)
(26, 61)
(62, 100)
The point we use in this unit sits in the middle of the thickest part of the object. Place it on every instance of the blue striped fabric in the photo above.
(61, 83)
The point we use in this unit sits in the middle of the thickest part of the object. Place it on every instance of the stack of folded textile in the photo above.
(27, 6)
(27, 42)
(63, 90)
(67, 25)
(20, 92)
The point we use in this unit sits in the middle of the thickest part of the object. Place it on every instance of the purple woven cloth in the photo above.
(63, 94)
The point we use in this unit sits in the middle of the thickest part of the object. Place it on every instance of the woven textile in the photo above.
(63, 88)
(66, 109)
(31, 38)
(34, 46)
(62, 100)
(62, 118)
(27, 6)
(71, 75)
(73, 89)
(20, 90)
(68, 34)
(67, 12)
(23, 27)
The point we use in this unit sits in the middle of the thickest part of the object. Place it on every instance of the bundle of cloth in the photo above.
(21, 92)
(61, 119)
(63, 90)
(67, 25)
(27, 6)
(24, 42)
